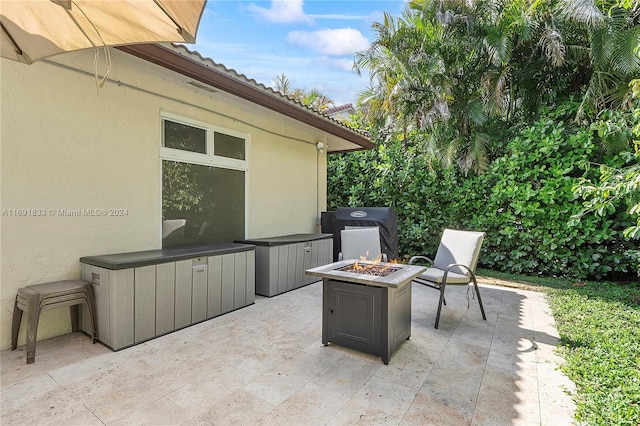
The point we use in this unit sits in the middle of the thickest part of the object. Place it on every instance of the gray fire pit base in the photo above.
(371, 319)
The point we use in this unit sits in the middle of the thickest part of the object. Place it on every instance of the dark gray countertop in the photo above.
(286, 239)
(153, 257)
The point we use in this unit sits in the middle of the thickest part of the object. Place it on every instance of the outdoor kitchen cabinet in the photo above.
(281, 261)
(143, 295)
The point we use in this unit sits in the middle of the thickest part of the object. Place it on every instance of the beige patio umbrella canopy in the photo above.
(37, 29)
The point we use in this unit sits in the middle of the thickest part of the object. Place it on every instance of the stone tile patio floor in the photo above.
(265, 364)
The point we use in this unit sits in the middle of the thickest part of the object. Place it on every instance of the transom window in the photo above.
(193, 141)
(184, 137)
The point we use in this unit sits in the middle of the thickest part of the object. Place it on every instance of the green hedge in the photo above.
(523, 201)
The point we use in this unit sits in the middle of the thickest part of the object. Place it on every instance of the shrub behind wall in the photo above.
(523, 201)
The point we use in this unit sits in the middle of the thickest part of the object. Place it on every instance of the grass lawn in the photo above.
(599, 324)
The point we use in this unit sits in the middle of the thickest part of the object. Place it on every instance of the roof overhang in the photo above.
(192, 67)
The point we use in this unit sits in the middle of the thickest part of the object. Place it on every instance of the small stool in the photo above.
(33, 299)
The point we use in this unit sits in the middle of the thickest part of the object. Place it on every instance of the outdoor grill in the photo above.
(384, 218)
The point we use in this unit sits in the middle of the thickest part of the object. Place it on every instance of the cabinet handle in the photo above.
(331, 311)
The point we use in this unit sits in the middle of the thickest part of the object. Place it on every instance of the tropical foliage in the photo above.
(618, 183)
(461, 62)
(523, 201)
(311, 98)
(510, 116)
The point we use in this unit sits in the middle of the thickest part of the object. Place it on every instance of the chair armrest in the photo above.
(453, 265)
(425, 258)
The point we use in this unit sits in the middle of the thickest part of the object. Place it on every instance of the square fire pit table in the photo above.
(366, 305)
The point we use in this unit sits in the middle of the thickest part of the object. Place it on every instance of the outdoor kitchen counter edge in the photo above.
(394, 280)
(154, 257)
(285, 239)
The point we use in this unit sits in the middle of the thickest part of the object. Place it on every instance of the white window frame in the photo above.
(207, 159)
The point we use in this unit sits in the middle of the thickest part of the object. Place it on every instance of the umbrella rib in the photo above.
(82, 30)
(97, 52)
(179, 28)
(18, 50)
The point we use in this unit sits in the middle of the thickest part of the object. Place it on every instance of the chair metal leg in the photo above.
(33, 316)
(15, 324)
(440, 304)
(75, 318)
(475, 284)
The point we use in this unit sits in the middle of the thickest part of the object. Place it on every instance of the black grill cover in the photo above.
(382, 217)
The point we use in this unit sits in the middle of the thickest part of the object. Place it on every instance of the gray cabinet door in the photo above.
(165, 297)
(145, 303)
(214, 284)
(320, 254)
(240, 280)
(228, 282)
(352, 316)
(121, 302)
(251, 278)
(184, 277)
(306, 263)
(326, 250)
(273, 275)
(199, 285)
(292, 256)
(283, 266)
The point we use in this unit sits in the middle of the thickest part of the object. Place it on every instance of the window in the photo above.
(184, 137)
(228, 146)
(203, 183)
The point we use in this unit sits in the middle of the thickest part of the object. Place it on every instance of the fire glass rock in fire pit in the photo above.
(374, 269)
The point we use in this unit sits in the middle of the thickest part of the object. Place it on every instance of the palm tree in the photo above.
(417, 65)
(311, 98)
(613, 30)
(386, 74)
(281, 84)
(445, 67)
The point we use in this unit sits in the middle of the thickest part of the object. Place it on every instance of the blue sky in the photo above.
(311, 41)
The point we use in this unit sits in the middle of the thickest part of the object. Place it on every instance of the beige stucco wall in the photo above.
(67, 145)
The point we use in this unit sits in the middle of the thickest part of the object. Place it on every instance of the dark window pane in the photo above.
(186, 138)
(201, 204)
(228, 146)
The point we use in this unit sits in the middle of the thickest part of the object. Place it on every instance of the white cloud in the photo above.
(336, 42)
(282, 11)
(343, 64)
(342, 17)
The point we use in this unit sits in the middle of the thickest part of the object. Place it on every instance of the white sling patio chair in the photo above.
(454, 264)
(361, 244)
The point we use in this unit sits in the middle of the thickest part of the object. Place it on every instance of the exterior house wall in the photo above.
(67, 146)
